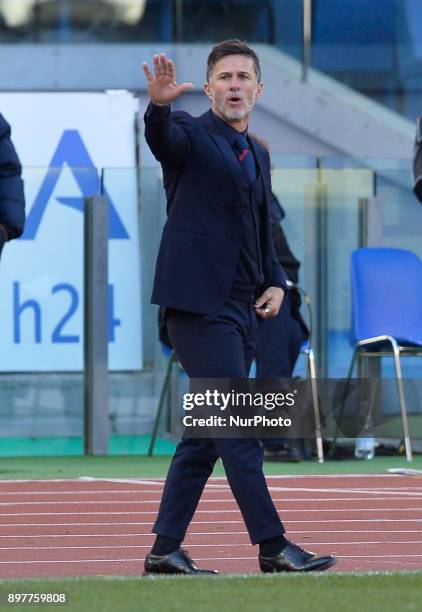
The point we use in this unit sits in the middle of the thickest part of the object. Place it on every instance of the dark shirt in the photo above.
(249, 276)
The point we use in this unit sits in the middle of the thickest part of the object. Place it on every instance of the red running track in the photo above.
(102, 527)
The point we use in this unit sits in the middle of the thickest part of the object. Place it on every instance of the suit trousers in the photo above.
(220, 345)
(278, 348)
(279, 343)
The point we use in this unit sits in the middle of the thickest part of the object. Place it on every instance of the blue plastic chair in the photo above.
(387, 312)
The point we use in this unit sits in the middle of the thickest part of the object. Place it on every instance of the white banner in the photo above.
(63, 141)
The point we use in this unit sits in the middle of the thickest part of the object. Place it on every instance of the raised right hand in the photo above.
(162, 86)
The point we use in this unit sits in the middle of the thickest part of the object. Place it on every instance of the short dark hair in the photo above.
(232, 47)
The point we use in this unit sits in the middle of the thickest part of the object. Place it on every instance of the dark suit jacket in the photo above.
(12, 202)
(201, 239)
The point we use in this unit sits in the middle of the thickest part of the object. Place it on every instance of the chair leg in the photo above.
(164, 390)
(349, 376)
(372, 399)
(315, 403)
(403, 408)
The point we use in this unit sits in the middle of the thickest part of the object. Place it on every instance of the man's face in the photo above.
(233, 88)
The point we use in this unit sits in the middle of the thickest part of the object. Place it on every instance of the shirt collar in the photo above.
(229, 132)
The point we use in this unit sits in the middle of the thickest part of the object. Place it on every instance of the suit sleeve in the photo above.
(12, 200)
(167, 134)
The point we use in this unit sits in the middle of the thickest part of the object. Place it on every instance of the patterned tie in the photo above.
(246, 158)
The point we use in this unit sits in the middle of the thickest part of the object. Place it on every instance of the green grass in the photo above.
(388, 592)
(135, 466)
(73, 446)
(73, 467)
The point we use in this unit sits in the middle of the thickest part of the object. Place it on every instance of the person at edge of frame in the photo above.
(216, 273)
(12, 200)
(417, 161)
(280, 338)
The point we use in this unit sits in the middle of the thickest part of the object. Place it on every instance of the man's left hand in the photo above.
(268, 304)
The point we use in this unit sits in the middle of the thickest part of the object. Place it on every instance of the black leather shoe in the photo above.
(177, 562)
(293, 558)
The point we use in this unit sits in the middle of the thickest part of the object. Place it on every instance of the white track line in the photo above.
(393, 489)
(141, 560)
(340, 558)
(233, 522)
(374, 491)
(152, 481)
(112, 524)
(389, 491)
(202, 533)
(87, 492)
(87, 479)
(153, 512)
(79, 561)
(415, 493)
(231, 500)
(405, 471)
(148, 546)
(214, 479)
(219, 479)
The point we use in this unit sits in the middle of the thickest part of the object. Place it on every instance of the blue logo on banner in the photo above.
(71, 151)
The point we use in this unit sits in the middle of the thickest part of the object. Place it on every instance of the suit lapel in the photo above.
(225, 149)
(260, 161)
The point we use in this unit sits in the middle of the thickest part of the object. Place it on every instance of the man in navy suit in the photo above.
(216, 274)
(12, 202)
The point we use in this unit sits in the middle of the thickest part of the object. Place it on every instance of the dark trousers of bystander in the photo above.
(278, 347)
